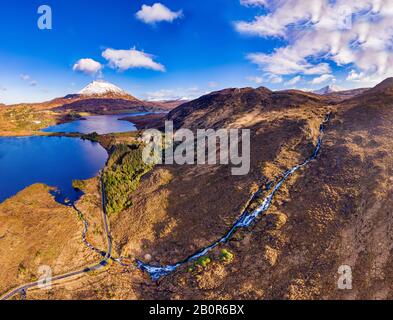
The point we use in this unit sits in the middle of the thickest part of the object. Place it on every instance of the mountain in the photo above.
(379, 96)
(385, 87)
(171, 104)
(346, 94)
(103, 97)
(100, 97)
(219, 108)
(337, 94)
(334, 211)
(328, 89)
(101, 88)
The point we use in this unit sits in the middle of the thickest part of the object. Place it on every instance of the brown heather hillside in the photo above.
(108, 105)
(223, 108)
(37, 231)
(335, 211)
(340, 96)
(180, 209)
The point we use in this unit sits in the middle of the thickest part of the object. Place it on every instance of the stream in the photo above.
(246, 219)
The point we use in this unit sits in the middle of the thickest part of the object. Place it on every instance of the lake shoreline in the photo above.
(105, 140)
(59, 119)
(37, 159)
(149, 121)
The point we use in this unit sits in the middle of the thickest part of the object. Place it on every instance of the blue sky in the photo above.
(203, 46)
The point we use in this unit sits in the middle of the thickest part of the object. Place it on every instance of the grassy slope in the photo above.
(36, 231)
(334, 212)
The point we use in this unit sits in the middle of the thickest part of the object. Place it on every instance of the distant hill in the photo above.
(380, 95)
(385, 87)
(337, 94)
(328, 89)
(226, 106)
(101, 97)
(334, 211)
(170, 104)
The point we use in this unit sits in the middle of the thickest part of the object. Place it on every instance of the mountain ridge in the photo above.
(97, 97)
(335, 211)
(100, 87)
(328, 89)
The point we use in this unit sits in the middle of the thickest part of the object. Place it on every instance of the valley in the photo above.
(93, 100)
(329, 213)
(190, 158)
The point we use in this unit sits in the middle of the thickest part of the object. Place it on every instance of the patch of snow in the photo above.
(100, 87)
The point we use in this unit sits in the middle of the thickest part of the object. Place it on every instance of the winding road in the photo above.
(24, 288)
(157, 272)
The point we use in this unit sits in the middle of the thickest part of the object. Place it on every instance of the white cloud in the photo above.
(268, 78)
(130, 59)
(213, 84)
(88, 66)
(257, 80)
(174, 94)
(283, 62)
(294, 80)
(357, 76)
(321, 79)
(306, 89)
(24, 77)
(253, 2)
(273, 78)
(157, 13)
(323, 33)
(362, 77)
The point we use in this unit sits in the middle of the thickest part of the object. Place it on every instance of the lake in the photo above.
(101, 124)
(54, 161)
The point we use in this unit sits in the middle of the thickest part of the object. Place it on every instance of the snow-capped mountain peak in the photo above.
(328, 89)
(100, 87)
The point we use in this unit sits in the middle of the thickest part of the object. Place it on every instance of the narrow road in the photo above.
(23, 288)
(105, 219)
